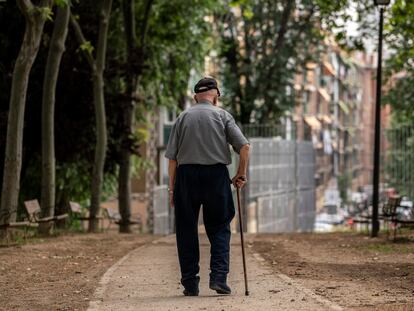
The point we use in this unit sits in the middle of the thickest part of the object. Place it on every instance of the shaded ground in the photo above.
(60, 273)
(354, 271)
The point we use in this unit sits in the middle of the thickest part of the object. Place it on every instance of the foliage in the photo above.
(399, 35)
(176, 42)
(265, 43)
(261, 45)
(178, 39)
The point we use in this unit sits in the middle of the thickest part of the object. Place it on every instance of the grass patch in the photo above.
(386, 248)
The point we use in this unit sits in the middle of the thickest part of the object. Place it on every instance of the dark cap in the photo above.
(206, 84)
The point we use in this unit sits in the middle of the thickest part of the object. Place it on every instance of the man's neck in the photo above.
(205, 101)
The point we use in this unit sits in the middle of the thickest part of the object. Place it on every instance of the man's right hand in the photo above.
(239, 180)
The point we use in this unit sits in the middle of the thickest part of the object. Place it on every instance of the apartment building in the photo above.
(335, 109)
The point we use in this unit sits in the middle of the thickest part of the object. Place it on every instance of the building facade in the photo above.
(335, 109)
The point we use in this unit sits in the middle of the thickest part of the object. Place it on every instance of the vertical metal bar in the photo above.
(410, 160)
(296, 187)
(375, 197)
(411, 189)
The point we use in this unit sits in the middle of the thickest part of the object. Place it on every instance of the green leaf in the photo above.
(248, 14)
(46, 13)
(87, 47)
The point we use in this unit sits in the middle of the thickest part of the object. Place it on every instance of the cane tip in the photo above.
(247, 293)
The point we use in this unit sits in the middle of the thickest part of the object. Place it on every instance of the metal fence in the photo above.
(398, 162)
(280, 196)
(163, 214)
(281, 183)
(285, 131)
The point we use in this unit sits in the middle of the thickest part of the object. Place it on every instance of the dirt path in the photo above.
(148, 279)
(286, 272)
(355, 271)
(60, 273)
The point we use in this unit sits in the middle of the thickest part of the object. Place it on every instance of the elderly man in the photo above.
(198, 152)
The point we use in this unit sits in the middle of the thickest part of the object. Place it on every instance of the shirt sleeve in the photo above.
(172, 146)
(234, 135)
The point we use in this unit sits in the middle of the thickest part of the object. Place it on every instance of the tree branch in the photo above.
(280, 41)
(25, 5)
(145, 22)
(128, 8)
(81, 39)
(103, 34)
(283, 25)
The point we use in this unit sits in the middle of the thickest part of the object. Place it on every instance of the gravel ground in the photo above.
(352, 270)
(60, 273)
(147, 279)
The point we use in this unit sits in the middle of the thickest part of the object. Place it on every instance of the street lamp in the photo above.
(376, 175)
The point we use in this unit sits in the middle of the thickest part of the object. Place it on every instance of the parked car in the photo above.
(323, 227)
(329, 217)
(406, 209)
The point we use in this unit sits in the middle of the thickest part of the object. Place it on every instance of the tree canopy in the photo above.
(176, 43)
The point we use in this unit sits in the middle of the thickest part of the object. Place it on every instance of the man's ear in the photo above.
(195, 98)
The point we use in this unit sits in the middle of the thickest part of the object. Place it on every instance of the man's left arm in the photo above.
(240, 145)
(241, 177)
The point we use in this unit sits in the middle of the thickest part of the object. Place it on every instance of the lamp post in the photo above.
(375, 195)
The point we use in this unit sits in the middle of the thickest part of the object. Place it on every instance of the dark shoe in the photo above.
(191, 286)
(187, 292)
(220, 288)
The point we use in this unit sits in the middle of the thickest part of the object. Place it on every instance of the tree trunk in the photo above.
(56, 49)
(124, 191)
(124, 177)
(135, 57)
(14, 139)
(99, 102)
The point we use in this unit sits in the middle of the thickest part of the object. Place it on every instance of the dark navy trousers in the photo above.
(209, 186)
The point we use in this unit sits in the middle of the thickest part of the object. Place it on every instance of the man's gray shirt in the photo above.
(202, 134)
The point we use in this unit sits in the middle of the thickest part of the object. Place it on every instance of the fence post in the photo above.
(296, 174)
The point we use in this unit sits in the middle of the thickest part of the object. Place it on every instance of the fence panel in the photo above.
(399, 159)
(281, 181)
(162, 211)
(276, 212)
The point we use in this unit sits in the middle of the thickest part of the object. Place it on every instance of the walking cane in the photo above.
(242, 242)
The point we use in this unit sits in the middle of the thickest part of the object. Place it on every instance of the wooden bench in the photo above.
(79, 214)
(33, 211)
(389, 212)
(390, 216)
(114, 217)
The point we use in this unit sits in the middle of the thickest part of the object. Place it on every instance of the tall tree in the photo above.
(135, 51)
(56, 49)
(97, 65)
(264, 44)
(35, 16)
